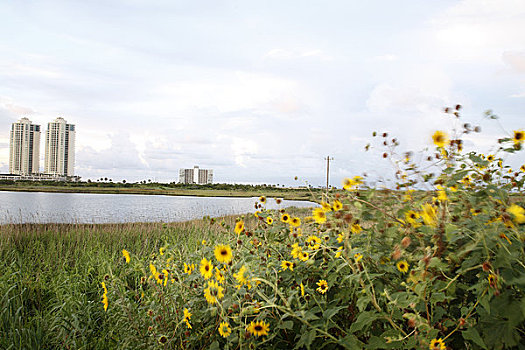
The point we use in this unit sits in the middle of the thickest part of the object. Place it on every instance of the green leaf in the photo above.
(329, 313)
(286, 325)
(473, 335)
(363, 320)
(306, 339)
(351, 342)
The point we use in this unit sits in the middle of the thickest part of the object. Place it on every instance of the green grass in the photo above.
(50, 277)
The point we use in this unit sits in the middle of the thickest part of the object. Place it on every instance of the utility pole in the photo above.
(328, 159)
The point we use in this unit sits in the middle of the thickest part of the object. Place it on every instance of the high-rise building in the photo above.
(24, 148)
(60, 148)
(196, 176)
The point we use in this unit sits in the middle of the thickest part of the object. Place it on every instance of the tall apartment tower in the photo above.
(24, 148)
(60, 148)
(196, 176)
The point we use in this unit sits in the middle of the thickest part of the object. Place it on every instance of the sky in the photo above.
(259, 91)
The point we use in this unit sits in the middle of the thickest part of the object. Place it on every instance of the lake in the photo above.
(40, 207)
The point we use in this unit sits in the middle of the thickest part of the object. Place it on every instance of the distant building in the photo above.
(60, 148)
(24, 148)
(196, 176)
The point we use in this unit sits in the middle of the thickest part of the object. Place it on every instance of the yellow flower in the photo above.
(295, 222)
(223, 253)
(219, 276)
(349, 184)
(442, 195)
(164, 277)
(262, 199)
(402, 266)
(519, 136)
(411, 217)
(490, 157)
(356, 228)
(522, 168)
(319, 215)
(285, 218)
(323, 286)
(239, 226)
(285, 265)
(105, 301)
(303, 256)
(161, 250)
(206, 268)
(340, 237)
(224, 329)
(296, 250)
(213, 293)
(155, 273)
(429, 215)
(313, 242)
(337, 205)
(239, 276)
(493, 279)
(258, 328)
(357, 257)
(269, 220)
(188, 269)
(440, 138)
(203, 242)
(187, 317)
(437, 344)
(453, 188)
(326, 206)
(126, 255)
(518, 212)
(465, 181)
(256, 214)
(339, 252)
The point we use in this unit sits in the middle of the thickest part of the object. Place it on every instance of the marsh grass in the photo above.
(50, 277)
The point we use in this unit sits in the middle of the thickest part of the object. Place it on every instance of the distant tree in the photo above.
(124, 181)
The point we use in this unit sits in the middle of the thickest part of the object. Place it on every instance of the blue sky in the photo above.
(259, 91)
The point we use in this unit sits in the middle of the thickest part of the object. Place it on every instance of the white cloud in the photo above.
(295, 54)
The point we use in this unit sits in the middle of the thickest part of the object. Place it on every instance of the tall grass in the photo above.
(50, 277)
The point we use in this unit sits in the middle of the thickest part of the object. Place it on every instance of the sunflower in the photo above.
(262, 199)
(437, 344)
(323, 286)
(269, 220)
(356, 228)
(239, 227)
(440, 138)
(219, 276)
(319, 215)
(163, 339)
(296, 250)
(285, 265)
(339, 252)
(313, 242)
(295, 222)
(187, 317)
(326, 206)
(223, 253)
(239, 276)
(285, 218)
(518, 212)
(188, 269)
(213, 293)
(206, 268)
(357, 257)
(522, 168)
(224, 329)
(161, 250)
(429, 215)
(519, 136)
(303, 256)
(258, 328)
(490, 157)
(402, 266)
(126, 255)
(411, 217)
(349, 184)
(337, 205)
(492, 280)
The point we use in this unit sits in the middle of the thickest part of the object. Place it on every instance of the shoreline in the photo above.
(289, 194)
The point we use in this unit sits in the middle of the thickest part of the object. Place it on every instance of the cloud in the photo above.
(515, 60)
(296, 54)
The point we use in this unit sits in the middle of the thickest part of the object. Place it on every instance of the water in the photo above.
(40, 207)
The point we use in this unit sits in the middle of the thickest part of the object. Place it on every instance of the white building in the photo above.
(196, 176)
(24, 148)
(60, 148)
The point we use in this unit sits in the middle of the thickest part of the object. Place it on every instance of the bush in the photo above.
(438, 262)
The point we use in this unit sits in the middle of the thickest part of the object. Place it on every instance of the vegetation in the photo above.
(437, 263)
(153, 188)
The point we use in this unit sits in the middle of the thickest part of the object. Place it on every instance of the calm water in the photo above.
(39, 207)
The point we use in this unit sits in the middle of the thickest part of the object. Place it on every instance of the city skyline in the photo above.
(59, 150)
(260, 92)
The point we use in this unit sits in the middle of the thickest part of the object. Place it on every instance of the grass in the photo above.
(51, 273)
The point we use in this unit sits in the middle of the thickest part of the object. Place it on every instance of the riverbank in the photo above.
(159, 189)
